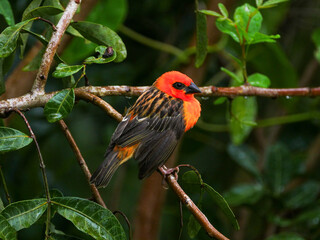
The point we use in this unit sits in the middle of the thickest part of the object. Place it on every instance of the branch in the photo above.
(31, 101)
(42, 75)
(186, 200)
(81, 162)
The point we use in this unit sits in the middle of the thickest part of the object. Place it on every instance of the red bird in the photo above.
(152, 127)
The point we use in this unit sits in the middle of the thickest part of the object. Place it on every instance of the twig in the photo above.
(82, 163)
(99, 102)
(43, 171)
(42, 75)
(5, 186)
(186, 200)
(49, 22)
(127, 221)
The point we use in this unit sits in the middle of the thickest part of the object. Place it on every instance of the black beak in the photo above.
(192, 89)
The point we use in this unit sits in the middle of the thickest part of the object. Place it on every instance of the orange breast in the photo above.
(192, 111)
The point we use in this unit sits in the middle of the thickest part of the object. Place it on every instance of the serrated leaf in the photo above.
(202, 39)
(89, 217)
(228, 27)
(12, 139)
(285, 236)
(102, 35)
(245, 157)
(6, 231)
(210, 13)
(60, 105)
(248, 20)
(64, 70)
(9, 38)
(302, 195)
(272, 3)
(244, 194)
(23, 214)
(259, 80)
(244, 111)
(6, 11)
(278, 170)
(232, 75)
(223, 10)
(223, 205)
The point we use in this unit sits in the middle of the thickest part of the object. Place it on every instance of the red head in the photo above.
(177, 84)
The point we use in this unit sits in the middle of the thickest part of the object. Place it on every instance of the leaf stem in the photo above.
(5, 186)
(154, 43)
(42, 167)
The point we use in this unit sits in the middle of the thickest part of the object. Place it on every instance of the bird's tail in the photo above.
(102, 176)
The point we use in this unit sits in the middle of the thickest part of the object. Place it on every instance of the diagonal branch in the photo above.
(81, 162)
(41, 78)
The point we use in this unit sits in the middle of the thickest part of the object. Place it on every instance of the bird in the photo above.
(152, 127)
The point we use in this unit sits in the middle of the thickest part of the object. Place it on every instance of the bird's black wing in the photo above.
(155, 123)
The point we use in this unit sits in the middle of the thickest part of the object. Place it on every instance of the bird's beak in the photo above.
(192, 88)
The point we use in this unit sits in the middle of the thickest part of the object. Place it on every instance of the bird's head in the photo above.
(177, 84)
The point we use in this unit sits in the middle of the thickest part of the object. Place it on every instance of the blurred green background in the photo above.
(270, 177)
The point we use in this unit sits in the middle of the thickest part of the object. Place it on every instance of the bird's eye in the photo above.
(178, 85)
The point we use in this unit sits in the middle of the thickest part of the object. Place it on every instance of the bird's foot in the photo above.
(168, 171)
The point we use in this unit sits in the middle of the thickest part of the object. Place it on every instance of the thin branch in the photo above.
(42, 75)
(127, 221)
(99, 102)
(82, 163)
(186, 200)
(43, 171)
(31, 101)
(5, 186)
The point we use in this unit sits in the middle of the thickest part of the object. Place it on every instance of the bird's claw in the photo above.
(168, 171)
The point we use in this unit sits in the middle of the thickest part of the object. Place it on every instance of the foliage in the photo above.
(270, 174)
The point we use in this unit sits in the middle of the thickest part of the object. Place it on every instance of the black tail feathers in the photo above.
(102, 176)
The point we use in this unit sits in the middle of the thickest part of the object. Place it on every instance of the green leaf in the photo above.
(24, 37)
(64, 70)
(210, 13)
(228, 27)
(232, 75)
(6, 11)
(260, 38)
(244, 111)
(259, 2)
(1, 205)
(223, 205)
(286, 236)
(272, 3)
(193, 226)
(35, 63)
(102, 35)
(223, 10)
(191, 177)
(220, 100)
(244, 194)
(89, 217)
(6, 231)
(12, 139)
(2, 85)
(259, 80)
(57, 236)
(248, 20)
(202, 39)
(23, 214)
(43, 12)
(245, 157)
(9, 38)
(279, 169)
(60, 105)
(316, 37)
(100, 59)
(302, 195)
